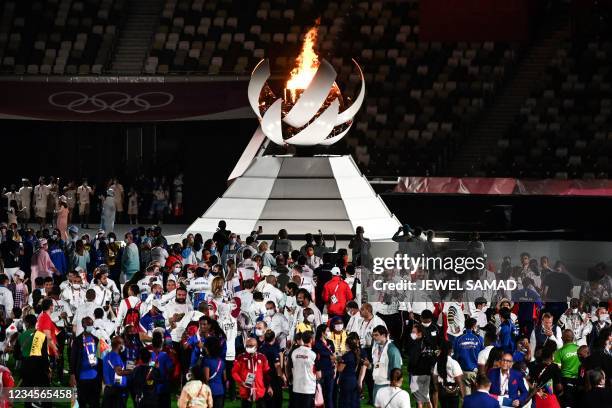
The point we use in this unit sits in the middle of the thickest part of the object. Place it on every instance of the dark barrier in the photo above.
(115, 100)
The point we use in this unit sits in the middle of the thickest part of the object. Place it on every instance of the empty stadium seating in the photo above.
(564, 130)
(57, 36)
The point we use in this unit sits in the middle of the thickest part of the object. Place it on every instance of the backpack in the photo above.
(132, 316)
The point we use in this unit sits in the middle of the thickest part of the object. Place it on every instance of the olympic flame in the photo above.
(307, 64)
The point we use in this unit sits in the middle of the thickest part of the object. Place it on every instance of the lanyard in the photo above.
(255, 366)
(87, 344)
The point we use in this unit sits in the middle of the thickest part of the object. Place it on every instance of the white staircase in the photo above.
(135, 36)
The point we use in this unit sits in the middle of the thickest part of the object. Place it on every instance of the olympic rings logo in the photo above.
(119, 102)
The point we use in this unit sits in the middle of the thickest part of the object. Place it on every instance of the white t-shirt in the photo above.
(453, 369)
(483, 356)
(392, 397)
(304, 379)
(272, 293)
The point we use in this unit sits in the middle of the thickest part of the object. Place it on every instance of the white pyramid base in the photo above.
(300, 194)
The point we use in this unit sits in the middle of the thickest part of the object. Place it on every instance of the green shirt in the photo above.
(567, 358)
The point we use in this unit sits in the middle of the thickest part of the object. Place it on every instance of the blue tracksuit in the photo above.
(466, 348)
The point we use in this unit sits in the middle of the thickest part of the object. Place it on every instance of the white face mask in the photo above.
(111, 240)
(177, 269)
(310, 318)
(575, 310)
(259, 332)
(603, 318)
(426, 324)
(270, 312)
(76, 286)
(338, 327)
(251, 350)
(413, 336)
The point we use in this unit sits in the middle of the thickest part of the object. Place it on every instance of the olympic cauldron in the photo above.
(312, 111)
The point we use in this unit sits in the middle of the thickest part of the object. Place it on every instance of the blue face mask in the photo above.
(89, 329)
(213, 251)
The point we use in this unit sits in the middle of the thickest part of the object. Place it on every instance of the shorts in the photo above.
(419, 386)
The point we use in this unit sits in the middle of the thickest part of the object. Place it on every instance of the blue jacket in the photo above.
(466, 348)
(507, 333)
(59, 259)
(526, 299)
(480, 400)
(516, 385)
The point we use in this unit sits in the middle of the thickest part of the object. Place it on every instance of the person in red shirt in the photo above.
(45, 324)
(336, 293)
(252, 372)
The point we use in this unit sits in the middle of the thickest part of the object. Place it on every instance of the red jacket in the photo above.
(341, 290)
(258, 364)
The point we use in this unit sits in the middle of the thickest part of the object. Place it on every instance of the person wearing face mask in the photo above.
(354, 322)
(130, 260)
(278, 323)
(576, 321)
(231, 249)
(251, 373)
(421, 359)
(259, 331)
(115, 376)
(85, 366)
(74, 293)
(600, 323)
(338, 335)
(307, 323)
(385, 358)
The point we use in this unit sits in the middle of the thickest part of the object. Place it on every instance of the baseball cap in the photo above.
(266, 271)
(157, 304)
(43, 241)
(335, 271)
(20, 274)
(74, 229)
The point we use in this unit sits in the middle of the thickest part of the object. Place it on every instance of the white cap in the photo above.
(266, 271)
(171, 277)
(335, 271)
(157, 304)
(20, 274)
